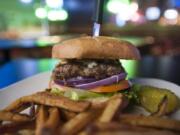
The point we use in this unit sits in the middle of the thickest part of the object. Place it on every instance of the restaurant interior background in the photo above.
(29, 29)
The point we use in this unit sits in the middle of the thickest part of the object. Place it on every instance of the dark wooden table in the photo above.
(165, 67)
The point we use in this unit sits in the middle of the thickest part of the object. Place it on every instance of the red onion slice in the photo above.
(107, 81)
(75, 81)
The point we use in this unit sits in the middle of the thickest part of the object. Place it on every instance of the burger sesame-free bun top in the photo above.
(100, 47)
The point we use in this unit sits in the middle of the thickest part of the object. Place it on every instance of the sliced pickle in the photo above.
(150, 98)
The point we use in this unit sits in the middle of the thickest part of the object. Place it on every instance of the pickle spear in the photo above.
(150, 98)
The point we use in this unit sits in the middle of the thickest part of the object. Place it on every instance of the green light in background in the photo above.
(115, 6)
(42, 43)
(46, 65)
(48, 40)
(52, 14)
(130, 66)
(57, 15)
(41, 13)
(137, 41)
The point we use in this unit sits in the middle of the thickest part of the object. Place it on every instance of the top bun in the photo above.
(95, 48)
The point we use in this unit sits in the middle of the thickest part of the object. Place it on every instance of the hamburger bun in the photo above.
(95, 48)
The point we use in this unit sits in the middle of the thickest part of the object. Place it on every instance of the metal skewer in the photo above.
(98, 17)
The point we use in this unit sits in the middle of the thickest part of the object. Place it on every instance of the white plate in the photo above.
(40, 82)
(25, 87)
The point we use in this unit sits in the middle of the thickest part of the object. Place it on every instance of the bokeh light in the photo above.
(26, 1)
(136, 17)
(41, 13)
(171, 14)
(133, 7)
(54, 3)
(120, 22)
(124, 10)
(152, 13)
(57, 15)
(116, 6)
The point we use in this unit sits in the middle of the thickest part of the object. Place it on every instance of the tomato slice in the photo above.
(122, 85)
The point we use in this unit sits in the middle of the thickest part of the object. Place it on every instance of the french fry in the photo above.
(161, 108)
(20, 107)
(80, 121)
(115, 126)
(58, 115)
(15, 127)
(26, 132)
(67, 115)
(48, 99)
(115, 104)
(99, 105)
(52, 122)
(40, 120)
(9, 116)
(134, 133)
(150, 121)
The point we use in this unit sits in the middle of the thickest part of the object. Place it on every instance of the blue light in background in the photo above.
(177, 3)
(26, 43)
(120, 22)
(73, 5)
(19, 69)
(25, 68)
(153, 13)
(8, 78)
(79, 5)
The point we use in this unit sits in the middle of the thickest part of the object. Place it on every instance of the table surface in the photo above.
(50, 40)
(165, 67)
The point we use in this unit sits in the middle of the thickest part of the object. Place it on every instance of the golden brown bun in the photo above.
(95, 48)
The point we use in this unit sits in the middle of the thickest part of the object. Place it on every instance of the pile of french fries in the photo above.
(43, 113)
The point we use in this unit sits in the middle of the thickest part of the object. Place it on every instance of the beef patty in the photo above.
(97, 69)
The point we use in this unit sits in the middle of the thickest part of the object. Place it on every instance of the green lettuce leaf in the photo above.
(77, 94)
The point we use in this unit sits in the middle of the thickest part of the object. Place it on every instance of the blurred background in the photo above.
(29, 29)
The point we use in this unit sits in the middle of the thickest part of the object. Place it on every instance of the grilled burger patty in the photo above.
(97, 69)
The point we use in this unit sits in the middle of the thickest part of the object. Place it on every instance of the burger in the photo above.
(90, 67)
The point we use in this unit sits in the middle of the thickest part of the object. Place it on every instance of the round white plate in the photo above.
(40, 81)
(22, 88)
